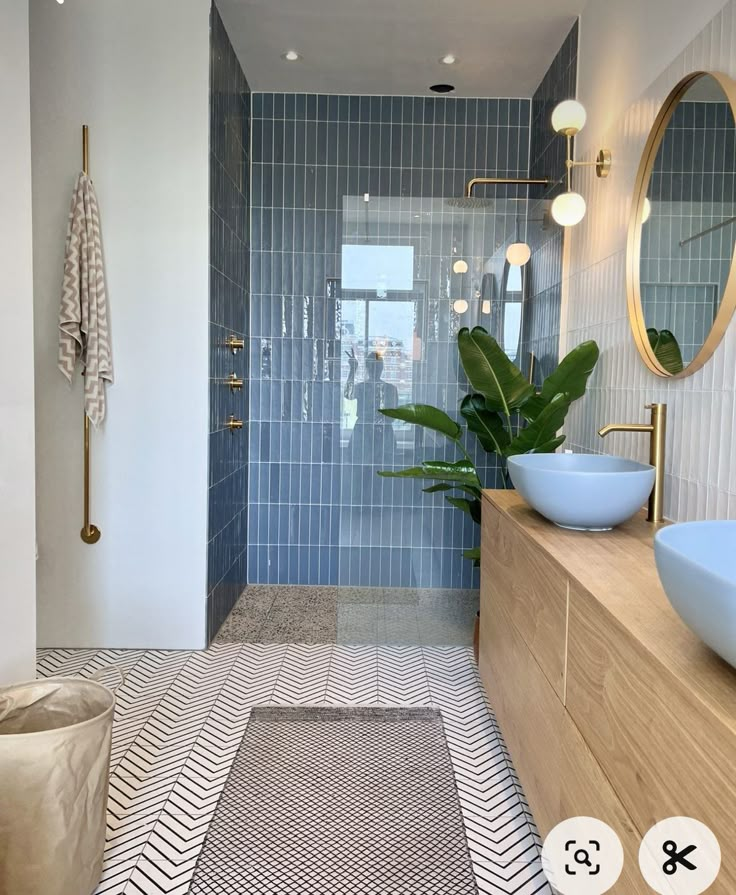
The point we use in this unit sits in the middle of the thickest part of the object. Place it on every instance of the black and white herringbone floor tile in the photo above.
(180, 718)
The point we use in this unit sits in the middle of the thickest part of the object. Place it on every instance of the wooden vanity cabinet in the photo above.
(609, 705)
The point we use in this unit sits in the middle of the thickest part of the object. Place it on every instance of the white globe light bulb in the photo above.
(460, 266)
(568, 117)
(518, 253)
(646, 211)
(568, 209)
(460, 306)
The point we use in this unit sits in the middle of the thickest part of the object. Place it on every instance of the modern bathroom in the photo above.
(368, 491)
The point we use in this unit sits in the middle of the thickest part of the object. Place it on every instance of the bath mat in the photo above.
(335, 801)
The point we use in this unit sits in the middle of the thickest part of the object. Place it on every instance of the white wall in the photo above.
(137, 73)
(632, 53)
(17, 484)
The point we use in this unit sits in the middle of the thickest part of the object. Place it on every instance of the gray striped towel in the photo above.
(84, 335)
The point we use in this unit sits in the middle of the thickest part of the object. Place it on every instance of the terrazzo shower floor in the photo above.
(352, 615)
(180, 718)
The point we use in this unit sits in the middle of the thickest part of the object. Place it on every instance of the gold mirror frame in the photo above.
(633, 249)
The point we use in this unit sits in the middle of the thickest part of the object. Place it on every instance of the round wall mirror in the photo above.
(680, 277)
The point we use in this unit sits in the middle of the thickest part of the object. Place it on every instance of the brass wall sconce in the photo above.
(232, 424)
(568, 119)
(234, 344)
(234, 383)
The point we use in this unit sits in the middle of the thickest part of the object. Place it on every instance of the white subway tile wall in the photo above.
(700, 480)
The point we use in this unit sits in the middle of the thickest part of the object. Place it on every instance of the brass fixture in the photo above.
(232, 424)
(234, 344)
(641, 209)
(90, 533)
(657, 429)
(568, 119)
(509, 181)
(234, 383)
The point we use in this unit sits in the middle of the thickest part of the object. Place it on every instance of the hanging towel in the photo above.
(84, 336)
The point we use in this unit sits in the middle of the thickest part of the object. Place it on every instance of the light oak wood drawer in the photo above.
(664, 753)
(529, 587)
(528, 712)
(585, 791)
(558, 772)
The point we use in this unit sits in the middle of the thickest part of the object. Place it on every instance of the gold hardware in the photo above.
(602, 163)
(532, 361)
(90, 533)
(234, 344)
(232, 424)
(519, 181)
(636, 221)
(657, 429)
(234, 383)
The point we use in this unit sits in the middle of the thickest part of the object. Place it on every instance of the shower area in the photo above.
(368, 252)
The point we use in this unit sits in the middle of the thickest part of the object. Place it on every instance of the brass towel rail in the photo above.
(90, 533)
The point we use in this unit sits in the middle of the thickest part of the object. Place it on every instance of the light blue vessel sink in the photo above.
(586, 492)
(696, 562)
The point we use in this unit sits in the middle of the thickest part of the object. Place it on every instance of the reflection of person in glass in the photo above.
(372, 438)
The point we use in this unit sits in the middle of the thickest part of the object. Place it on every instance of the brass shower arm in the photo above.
(508, 181)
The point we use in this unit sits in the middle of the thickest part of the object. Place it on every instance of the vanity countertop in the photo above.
(617, 569)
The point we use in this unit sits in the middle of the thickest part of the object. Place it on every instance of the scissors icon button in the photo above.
(677, 858)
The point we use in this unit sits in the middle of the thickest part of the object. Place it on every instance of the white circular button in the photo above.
(680, 856)
(582, 856)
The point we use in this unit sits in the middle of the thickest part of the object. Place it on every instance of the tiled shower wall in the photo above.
(309, 152)
(700, 479)
(229, 289)
(541, 334)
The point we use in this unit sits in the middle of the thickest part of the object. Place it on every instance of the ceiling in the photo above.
(393, 46)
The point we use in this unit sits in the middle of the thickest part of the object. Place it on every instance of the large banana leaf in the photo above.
(491, 373)
(427, 416)
(486, 424)
(443, 486)
(474, 554)
(463, 472)
(540, 436)
(666, 349)
(570, 378)
(471, 507)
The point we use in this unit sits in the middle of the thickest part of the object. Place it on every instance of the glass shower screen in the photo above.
(413, 272)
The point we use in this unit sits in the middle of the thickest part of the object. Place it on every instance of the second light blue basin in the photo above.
(587, 492)
(696, 566)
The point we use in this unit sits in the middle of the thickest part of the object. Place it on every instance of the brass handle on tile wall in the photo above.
(232, 424)
(234, 383)
(234, 344)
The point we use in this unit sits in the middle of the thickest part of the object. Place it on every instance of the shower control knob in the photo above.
(232, 424)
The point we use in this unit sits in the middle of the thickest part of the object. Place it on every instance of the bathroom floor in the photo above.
(180, 717)
(268, 613)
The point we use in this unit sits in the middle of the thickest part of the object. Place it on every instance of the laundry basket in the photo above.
(55, 737)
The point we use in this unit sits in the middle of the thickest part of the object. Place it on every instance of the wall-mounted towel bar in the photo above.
(90, 533)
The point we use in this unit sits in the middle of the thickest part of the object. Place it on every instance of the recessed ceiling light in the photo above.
(449, 59)
(442, 88)
(291, 56)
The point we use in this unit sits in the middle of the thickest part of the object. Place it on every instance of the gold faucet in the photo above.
(656, 427)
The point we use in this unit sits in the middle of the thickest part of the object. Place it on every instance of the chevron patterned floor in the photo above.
(180, 717)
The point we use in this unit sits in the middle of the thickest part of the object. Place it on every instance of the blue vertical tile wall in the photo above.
(309, 152)
(547, 159)
(229, 297)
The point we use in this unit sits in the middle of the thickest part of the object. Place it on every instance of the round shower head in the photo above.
(471, 202)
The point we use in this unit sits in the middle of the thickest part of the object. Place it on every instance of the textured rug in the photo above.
(335, 801)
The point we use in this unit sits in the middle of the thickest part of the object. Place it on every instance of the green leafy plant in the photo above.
(666, 349)
(504, 412)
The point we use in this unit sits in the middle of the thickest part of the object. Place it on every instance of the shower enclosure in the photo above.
(413, 272)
